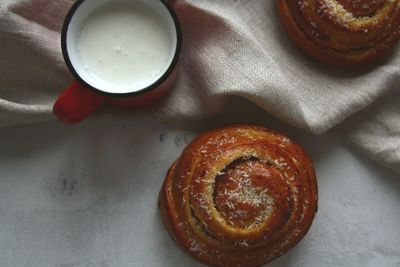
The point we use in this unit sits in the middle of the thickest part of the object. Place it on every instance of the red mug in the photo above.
(89, 91)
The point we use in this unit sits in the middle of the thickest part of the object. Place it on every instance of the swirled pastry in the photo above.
(239, 196)
(342, 32)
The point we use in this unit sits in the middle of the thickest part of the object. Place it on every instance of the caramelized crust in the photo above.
(239, 196)
(342, 32)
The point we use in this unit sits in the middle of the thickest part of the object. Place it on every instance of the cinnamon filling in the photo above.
(244, 192)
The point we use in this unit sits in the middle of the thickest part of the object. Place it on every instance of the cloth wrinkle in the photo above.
(230, 48)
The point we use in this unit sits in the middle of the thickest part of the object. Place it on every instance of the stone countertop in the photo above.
(86, 196)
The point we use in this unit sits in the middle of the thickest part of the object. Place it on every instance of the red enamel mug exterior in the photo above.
(82, 98)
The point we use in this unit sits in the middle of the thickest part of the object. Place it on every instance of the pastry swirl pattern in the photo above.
(342, 32)
(239, 196)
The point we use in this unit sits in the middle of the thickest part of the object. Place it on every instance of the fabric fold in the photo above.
(231, 48)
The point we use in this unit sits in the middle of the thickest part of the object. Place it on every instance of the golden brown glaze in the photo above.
(239, 196)
(342, 32)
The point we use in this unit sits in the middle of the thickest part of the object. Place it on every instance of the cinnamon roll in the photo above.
(342, 32)
(239, 196)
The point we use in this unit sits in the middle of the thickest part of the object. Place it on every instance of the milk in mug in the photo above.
(124, 44)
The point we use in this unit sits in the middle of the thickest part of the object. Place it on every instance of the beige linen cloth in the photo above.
(231, 47)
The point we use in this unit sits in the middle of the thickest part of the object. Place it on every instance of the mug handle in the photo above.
(76, 103)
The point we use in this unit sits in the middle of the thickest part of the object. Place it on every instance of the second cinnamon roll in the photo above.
(342, 32)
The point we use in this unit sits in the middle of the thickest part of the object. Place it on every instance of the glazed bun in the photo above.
(342, 32)
(239, 196)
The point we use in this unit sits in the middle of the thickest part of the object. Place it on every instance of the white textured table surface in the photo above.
(86, 196)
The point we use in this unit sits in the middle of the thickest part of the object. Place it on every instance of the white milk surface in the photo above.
(124, 44)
